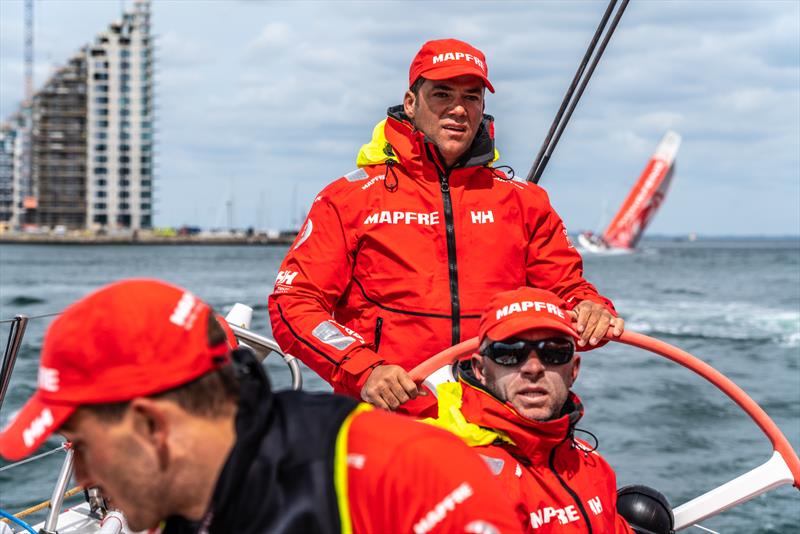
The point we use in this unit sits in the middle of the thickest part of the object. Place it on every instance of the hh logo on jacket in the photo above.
(482, 217)
(283, 282)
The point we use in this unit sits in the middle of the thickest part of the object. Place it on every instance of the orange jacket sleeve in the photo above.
(313, 276)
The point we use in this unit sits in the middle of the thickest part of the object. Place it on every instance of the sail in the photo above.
(628, 225)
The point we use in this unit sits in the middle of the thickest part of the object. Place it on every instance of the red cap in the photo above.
(233, 342)
(513, 312)
(448, 58)
(129, 339)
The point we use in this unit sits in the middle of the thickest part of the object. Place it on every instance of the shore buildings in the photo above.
(80, 154)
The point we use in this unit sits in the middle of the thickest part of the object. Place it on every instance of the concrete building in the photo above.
(91, 162)
(14, 180)
(10, 162)
(58, 177)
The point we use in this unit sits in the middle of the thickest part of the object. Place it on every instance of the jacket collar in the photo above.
(414, 150)
(255, 415)
(534, 439)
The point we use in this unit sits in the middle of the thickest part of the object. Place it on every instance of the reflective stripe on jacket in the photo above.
(397, 259)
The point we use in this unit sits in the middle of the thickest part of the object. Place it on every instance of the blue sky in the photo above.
(265, 103)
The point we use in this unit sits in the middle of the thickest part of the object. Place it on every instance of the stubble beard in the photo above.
(490, 383)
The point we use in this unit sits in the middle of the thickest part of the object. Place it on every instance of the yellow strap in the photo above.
(451, 419)
(340, 469)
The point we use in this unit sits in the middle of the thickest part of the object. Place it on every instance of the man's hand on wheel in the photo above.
(593, 321)
(389, 386)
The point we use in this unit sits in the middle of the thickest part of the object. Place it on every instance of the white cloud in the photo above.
(274, 36)
(274, 94)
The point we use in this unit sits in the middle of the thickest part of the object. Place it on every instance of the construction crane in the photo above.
(29, 199)
(28, 51)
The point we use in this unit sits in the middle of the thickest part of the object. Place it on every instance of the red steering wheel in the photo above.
(782, 468)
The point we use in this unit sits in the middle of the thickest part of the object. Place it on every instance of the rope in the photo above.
(45, 504)
(32, 458)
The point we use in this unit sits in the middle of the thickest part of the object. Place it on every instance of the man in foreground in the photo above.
(397, 258)
(182, 434)
(513, 403)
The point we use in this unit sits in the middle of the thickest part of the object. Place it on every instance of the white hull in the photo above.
(77, 520)
(587, 245)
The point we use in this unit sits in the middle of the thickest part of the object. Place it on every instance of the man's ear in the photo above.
(477, 367)
(151, 424)
(409, 102)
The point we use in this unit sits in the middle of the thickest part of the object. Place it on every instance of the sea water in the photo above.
(735, 304)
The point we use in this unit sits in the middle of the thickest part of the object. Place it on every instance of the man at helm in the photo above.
(397, 258)
(183, 434)
(512, 403)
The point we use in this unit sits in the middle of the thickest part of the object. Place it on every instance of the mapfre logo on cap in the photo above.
(525, 305)
(37, 427)
(48, 379)
(458, 56)
(186, 311)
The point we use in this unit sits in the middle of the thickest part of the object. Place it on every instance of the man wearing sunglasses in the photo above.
(513, 403)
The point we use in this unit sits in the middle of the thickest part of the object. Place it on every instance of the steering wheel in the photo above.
(782, 468)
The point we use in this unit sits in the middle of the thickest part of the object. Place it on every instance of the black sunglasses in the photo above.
(510, 352)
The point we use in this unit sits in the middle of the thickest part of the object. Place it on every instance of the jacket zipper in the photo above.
(552, 463)
(452, 262)
(378, 326)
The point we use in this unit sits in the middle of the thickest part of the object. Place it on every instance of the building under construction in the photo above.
(79, 153)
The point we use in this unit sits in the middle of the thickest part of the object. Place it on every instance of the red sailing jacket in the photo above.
(397, 259)
(560, 484)
(392, 486)
(326, 464)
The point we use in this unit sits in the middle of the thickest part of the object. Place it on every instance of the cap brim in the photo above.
(512, 327)
(32, 426)
(445, 73)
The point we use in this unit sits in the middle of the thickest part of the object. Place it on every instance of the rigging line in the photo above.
(33, 458)
(42, 316)
(701, 527)
(559, 125)
(31, 317)
(568, 96)
(584, 83)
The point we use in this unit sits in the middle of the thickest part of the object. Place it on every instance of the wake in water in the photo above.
(738, 321)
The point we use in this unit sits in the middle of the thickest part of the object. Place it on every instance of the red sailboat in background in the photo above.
(630, 222)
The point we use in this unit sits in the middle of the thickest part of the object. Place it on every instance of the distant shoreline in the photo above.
(143, 240)
(147, 239)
